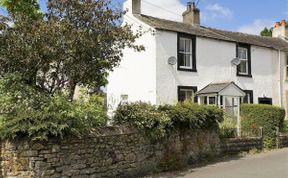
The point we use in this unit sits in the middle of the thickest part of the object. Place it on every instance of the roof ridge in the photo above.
(213, 33)
(210, 28)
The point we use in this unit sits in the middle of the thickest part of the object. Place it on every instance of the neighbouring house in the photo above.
(189, 61)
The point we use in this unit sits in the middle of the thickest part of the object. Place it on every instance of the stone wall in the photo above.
(236, 145)
(282, 141)
(111, 152)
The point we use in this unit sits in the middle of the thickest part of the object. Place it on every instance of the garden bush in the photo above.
(228, 128)
(26, 112)
(285, 127)
(187, 115)
(266, 116)
(145, 117)
(161, 122)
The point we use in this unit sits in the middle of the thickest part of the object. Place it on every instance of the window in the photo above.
(212, 100)
(187, 93)
(124, 98)
(265, 101)
(243, 53)
(186, 53)
(248, 98)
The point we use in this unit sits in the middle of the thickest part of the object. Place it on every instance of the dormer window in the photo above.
(186, 53)
(243, 54)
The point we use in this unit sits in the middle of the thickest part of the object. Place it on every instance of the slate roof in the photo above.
(237, 37)
(215, 88)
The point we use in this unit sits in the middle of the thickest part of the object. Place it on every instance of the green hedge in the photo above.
(26, 112)
(160, 122)
(266, 116)
(188, 115)
(285, 127)
(144, 117)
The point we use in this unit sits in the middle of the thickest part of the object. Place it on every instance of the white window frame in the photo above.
(243, 60)
(186, 53)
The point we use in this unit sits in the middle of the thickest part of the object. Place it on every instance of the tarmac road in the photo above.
(272, 164)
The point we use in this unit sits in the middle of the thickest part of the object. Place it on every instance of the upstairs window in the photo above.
(186, 53)
(187, 93)
(243, 54)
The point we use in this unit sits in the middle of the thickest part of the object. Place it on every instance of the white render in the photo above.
(147, 76)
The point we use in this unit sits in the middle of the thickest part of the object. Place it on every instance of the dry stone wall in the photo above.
(112, 153)
(236, 145)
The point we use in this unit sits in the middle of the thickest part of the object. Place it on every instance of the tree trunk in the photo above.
(71, 88)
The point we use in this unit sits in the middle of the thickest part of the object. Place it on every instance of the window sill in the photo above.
(245, 75)
(187, 70)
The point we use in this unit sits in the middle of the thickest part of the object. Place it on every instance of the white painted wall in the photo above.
(136, 74)
(214, 65)
(146, 76)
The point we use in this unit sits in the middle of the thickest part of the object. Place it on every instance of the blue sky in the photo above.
(248, 16)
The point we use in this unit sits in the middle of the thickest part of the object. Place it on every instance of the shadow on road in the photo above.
(190, 169)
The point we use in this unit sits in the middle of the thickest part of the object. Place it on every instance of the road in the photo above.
(272, 164)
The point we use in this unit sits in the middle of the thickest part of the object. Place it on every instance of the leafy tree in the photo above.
(77, 43)
(266, 32)
(30, 8)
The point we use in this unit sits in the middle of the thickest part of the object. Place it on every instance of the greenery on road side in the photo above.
(45, 56)
(145, 117)
(285, 127)
(228, 128)
(266, 116)
(158, 123)
(187, 115)
(26, 112)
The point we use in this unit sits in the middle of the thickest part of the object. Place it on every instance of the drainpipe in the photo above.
(280, 79)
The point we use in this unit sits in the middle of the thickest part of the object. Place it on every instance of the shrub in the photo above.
(144, 117)
(228, 127)
(266, 116)
(28, 112)
(285, 127)
(161, 122)
(186, 115)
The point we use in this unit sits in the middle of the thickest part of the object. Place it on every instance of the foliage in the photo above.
(188, 115)
(28, 112)
(285, 126)
(266, 116)
(144, 117)
(77, 43)
(266, 32)
(228, 127)
(158, 123)
(28, 8)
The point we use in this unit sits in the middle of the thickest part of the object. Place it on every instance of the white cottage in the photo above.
(183, 58)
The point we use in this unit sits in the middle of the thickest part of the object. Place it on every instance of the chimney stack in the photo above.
(192, 15)
(136, 7)
(283, 23)
(277, 24)
(280, 30)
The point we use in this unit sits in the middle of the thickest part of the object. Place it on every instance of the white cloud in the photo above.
(256, 27)
(216, 10)
(166, 9)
